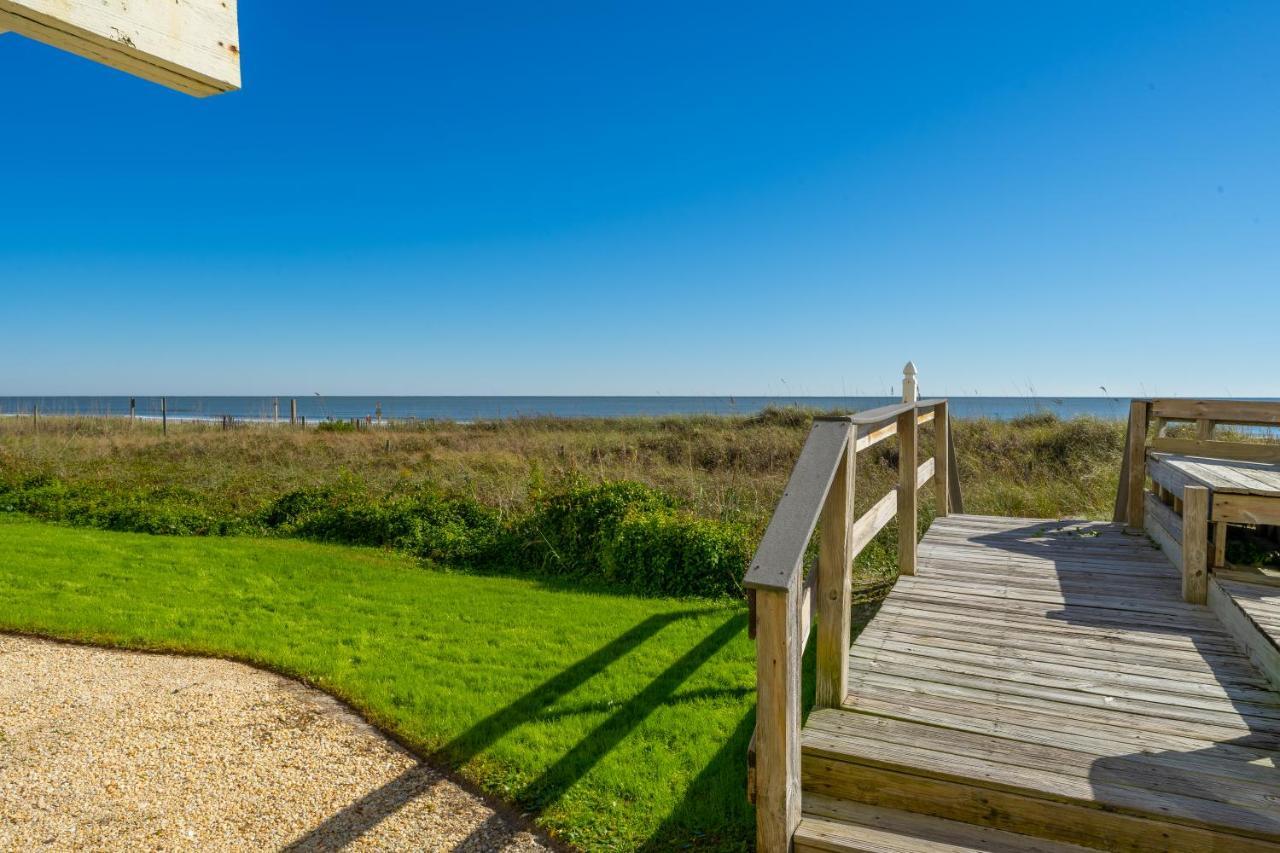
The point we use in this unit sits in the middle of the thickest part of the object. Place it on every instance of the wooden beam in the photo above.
(1195, 544)
(941, 455)
(835, 585)
(777, 720)
(873, 521)
(1246, 509)
(189, 45)
(907, 487)
(953, 476)
(1253, 412)
(777, 561)
(1137, 472)
(1219, 544)
(1164, 528)
(1236, 450)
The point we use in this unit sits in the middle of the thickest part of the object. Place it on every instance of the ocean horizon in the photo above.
(473, 408)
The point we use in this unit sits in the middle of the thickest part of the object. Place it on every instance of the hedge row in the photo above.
(624, 534)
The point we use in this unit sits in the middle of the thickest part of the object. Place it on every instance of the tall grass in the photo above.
(729, 470)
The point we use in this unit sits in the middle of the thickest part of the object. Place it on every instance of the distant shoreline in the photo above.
(468, 409)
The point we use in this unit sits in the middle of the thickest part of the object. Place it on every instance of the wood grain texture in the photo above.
(777, 561)
(1047, 678)
(189, 45)
(907, 489)
(1137, 469)
(1249, 412)
(835, 585)
(942, 455)
(777, 720)
(1195, 544)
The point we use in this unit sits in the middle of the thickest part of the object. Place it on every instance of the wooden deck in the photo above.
(1045, 683)
(1228, 476)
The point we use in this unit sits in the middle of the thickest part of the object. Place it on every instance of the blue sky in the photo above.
(703, 198)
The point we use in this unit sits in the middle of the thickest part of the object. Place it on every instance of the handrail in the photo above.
(777, 562)
(1174, 496)
(820, 492)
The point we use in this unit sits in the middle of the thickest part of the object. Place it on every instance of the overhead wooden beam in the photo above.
(189, 45)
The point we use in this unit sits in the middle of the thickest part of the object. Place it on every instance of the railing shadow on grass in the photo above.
(360, 817)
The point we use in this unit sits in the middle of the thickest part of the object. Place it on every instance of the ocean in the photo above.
(314, 407)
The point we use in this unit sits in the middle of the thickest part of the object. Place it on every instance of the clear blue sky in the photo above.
(684, 198)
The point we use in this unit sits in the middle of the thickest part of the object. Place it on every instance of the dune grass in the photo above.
(620, 722)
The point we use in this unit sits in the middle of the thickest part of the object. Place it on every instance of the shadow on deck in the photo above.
(1045, 678)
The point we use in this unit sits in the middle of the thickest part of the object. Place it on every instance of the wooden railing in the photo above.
(1177, 514)
(784, 603)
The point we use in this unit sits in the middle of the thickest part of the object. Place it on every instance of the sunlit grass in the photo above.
(621, 722)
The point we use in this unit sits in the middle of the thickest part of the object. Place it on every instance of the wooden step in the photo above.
(1251, 614)
(1132, 802)
(839, 826)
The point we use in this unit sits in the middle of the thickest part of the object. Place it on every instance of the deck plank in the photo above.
(1056, 660)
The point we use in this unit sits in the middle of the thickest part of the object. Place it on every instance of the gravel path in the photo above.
(104, 749)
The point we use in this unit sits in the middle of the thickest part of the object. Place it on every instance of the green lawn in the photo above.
(622, 722)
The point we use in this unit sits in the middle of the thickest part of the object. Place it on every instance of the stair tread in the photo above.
(840, 826)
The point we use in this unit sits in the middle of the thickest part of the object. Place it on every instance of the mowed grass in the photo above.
(620, 722)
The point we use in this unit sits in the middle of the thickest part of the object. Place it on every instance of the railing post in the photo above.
(1137, 468)
(835, 583)
(907, 493)
(942, 459)
(1195, 544)
(777, 720)
(907, 462)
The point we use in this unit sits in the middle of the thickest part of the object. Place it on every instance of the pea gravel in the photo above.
(112, 750)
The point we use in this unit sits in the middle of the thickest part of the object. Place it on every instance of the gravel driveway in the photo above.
(104, 749)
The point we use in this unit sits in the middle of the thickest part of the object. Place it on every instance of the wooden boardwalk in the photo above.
(1028, 685)
(1038, 685)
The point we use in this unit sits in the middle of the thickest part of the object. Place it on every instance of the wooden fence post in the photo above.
(907, 462)
(1136, 453)
(164, 415)
(275, 410)
(835, 584)
(133, 405)
(942, 459)
(907, 503)
(777, 720)
(293, 411)
(1195, 544)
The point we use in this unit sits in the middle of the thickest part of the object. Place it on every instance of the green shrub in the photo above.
(673, 552)
(336, 426)
(567, 532)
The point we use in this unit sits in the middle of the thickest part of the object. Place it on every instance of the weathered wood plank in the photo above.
(1219, 449)
(189, 45)
(1248, 412)
(1225, 600)
(835, 585)
(1137, 469)
(907, 486)
(942, 456)
(777, 719)
(777, 561)
(1246, 509)
(873, 521)
(1057, 663)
